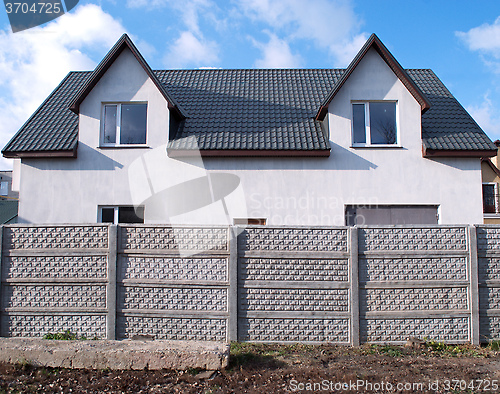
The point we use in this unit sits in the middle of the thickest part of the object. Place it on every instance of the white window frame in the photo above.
(368, 143)
(496, 197)
(118, 125)
(115, 212)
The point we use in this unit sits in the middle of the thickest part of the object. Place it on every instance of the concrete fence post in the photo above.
(233, 284)
(111, 288)
(473, 285)
(354, 285)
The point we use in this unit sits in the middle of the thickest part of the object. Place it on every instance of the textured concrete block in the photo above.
(178, 355)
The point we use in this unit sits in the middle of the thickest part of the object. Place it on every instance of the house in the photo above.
(370, 144)
(491, 179)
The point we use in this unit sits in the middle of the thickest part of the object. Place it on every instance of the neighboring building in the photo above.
(370, 144)
(8, 199)
(491, 180)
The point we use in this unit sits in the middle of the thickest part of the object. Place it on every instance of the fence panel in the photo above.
(294, 285)
(54, 278)
(173, 283)
(414, 282)
(488, 248)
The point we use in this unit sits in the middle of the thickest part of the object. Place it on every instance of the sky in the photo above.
(459, 40)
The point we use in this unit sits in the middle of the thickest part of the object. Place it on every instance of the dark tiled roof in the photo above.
(251, 110)
(53, 127)
(447, 125)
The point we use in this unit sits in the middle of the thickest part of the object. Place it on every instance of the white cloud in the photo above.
(276, 54)
(189, 50)
(484, 38)
(330, 24)
(33, 62)
(487, 115)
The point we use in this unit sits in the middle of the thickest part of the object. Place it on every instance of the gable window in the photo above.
(374, 123)
(121, 214)
(124, 124)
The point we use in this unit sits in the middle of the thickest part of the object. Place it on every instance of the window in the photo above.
(490, 198)
(359, 215)
(121, 215)
(250, 221)
(124, 124)
(4, 188)
(374, 123)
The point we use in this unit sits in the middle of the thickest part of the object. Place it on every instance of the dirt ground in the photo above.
(267, 369)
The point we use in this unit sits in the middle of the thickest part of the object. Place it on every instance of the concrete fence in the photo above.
(345, 285)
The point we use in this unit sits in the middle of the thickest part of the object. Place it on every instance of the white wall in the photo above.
(307, 191)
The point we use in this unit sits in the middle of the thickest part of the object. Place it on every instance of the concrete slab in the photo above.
(127, 354)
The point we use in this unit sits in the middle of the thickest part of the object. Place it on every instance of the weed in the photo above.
(494, 344)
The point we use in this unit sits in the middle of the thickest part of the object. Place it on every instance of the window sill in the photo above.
(376, 146)
(130, 146)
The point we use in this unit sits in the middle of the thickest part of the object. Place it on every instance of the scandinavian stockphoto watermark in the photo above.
(25, 14)
(181, 190)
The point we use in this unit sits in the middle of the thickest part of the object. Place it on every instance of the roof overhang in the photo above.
(40, 154)
(246, 153)
(123, 43)
(374, 42)
(430, 153)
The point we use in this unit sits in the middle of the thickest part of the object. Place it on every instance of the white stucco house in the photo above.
(370, 144)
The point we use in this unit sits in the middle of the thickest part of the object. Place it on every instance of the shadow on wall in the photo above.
(89, 159)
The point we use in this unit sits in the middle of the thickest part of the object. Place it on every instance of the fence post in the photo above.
(474, 285)
(354, 285)
(111, 288)
(232, 295)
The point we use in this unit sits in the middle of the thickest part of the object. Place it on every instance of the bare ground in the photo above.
(267, 369)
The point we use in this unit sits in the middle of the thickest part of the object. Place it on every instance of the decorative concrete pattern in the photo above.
(283, 269)
(488, 238)
(168, 238)
(490, 328)
(413, 239)
(489, 298)
(418, 299)
(175, 299)
(55, 267)
(55, 296)
(489, 268)
(59, 237)
(455, 329)
(89, 326)
(294, 239)
(295, 330)
(164, 268)
(173, 328)
(294, 300)
(407, 269)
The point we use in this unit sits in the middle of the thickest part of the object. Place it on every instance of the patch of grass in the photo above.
(494, 345)
(66, 336)
(193, 371)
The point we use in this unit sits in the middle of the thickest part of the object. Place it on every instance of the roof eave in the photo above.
(100, 70)
(374, 42)
(431, 153)
(39, 154)
(246, 153)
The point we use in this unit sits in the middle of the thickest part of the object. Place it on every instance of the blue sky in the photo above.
(459, 40)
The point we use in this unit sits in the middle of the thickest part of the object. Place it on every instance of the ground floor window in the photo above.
(250, 221)
(359, 215)
(121, 214)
